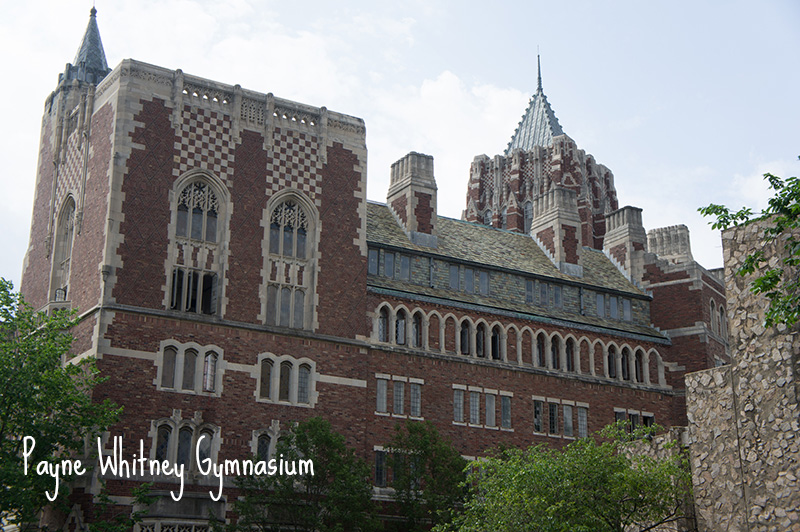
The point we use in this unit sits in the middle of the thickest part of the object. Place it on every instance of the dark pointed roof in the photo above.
(90, 62)
(539, 123)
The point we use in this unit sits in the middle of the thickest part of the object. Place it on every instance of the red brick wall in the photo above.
(342, 282)
(399, 206)
(147, 210)
(36, 276)
(86, 279)
(248, 192)
(424, 213)
(547, 237)
(618, 252)
(570, 243)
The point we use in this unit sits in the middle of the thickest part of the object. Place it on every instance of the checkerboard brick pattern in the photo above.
(204, 141)
(70, 171)
(295, 163)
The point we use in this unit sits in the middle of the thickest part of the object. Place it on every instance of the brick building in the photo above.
(231, 278)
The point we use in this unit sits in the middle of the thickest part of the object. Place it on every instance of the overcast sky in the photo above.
(687, 103)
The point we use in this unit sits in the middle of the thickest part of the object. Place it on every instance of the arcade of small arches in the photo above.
(449, 334)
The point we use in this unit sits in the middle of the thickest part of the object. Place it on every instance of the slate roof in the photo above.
(491, 248)
(538, 125)
(90, 60)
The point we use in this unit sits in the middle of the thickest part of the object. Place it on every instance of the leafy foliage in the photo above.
(589, 486)
(780, 283)
(428, 475)
(122, 521)
(43, 398)
(336, 498)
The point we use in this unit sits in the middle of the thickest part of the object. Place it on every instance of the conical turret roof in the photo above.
(90, 62)
(538, 125)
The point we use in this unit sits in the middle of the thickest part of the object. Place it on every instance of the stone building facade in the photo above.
(231, 278)
(743, 418)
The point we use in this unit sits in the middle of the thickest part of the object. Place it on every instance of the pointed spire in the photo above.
(539, 123)
(90, 60)
(539, 68)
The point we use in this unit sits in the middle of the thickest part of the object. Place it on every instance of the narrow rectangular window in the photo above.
(399, 396)
(626, 309)
(484, 283)
(453, 277)
(458, 406)
(634, 419)
(601, 305)
(648, 421)
(553, 418)
(380, 469)
(380, 392)
(538, 408)
(168, 368)
(543, 300)
(388, 264)
(528, 291)
(469, 280)
(505, 411)
(490, 410)
(208, 298)
(619, 415)
(405, 267)
(583, 422)
(416, 399)
(557, 296)
(568, 421)
(189, 362)
(613, 308)
(475, 408)
(372, 262)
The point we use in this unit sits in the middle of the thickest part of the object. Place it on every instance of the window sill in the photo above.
(506, 429)
(382, 414)
(459, 423)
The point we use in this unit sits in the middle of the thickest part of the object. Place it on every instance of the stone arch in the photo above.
(481, 338)
(418, 332)
(381, 322)
(713, 313)
(435, 331)
(465, 337)
(497, 342)
(640, 373)
(626, 367)
(513, 340)
(402, 321)
(612, 365)
(555, 358)
(656, 369)
(598, 355)
(586, 358)
(527, 342)
(572, 361)
(541, 347)
(449, 334)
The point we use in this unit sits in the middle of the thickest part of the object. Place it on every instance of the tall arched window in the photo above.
(713, 316)
(480, 340)
(189, 363)
(496, 354)
(290, 269)
(62, 255)
(504, 218)
(204, 441)
(639, 367)
(168, 370)
(198, 210)
(210, 372)
(162, 442)
(400, 327)
(723, 322)
(193, 284)
(612, 362)
(528, 216)
(570, 354)
(184, 445)
(626, 364)
(265, 391)
(383, 325)
(464, 338)
(285, 381)
(541, 359)
(416, 330)
(262, 449)
(303, 383)
(555, 352)
(487, 217)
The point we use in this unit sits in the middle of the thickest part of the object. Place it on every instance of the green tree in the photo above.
(428, 475)
(43, 397)
(779, 283)
(589, 486)
(337, 497)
